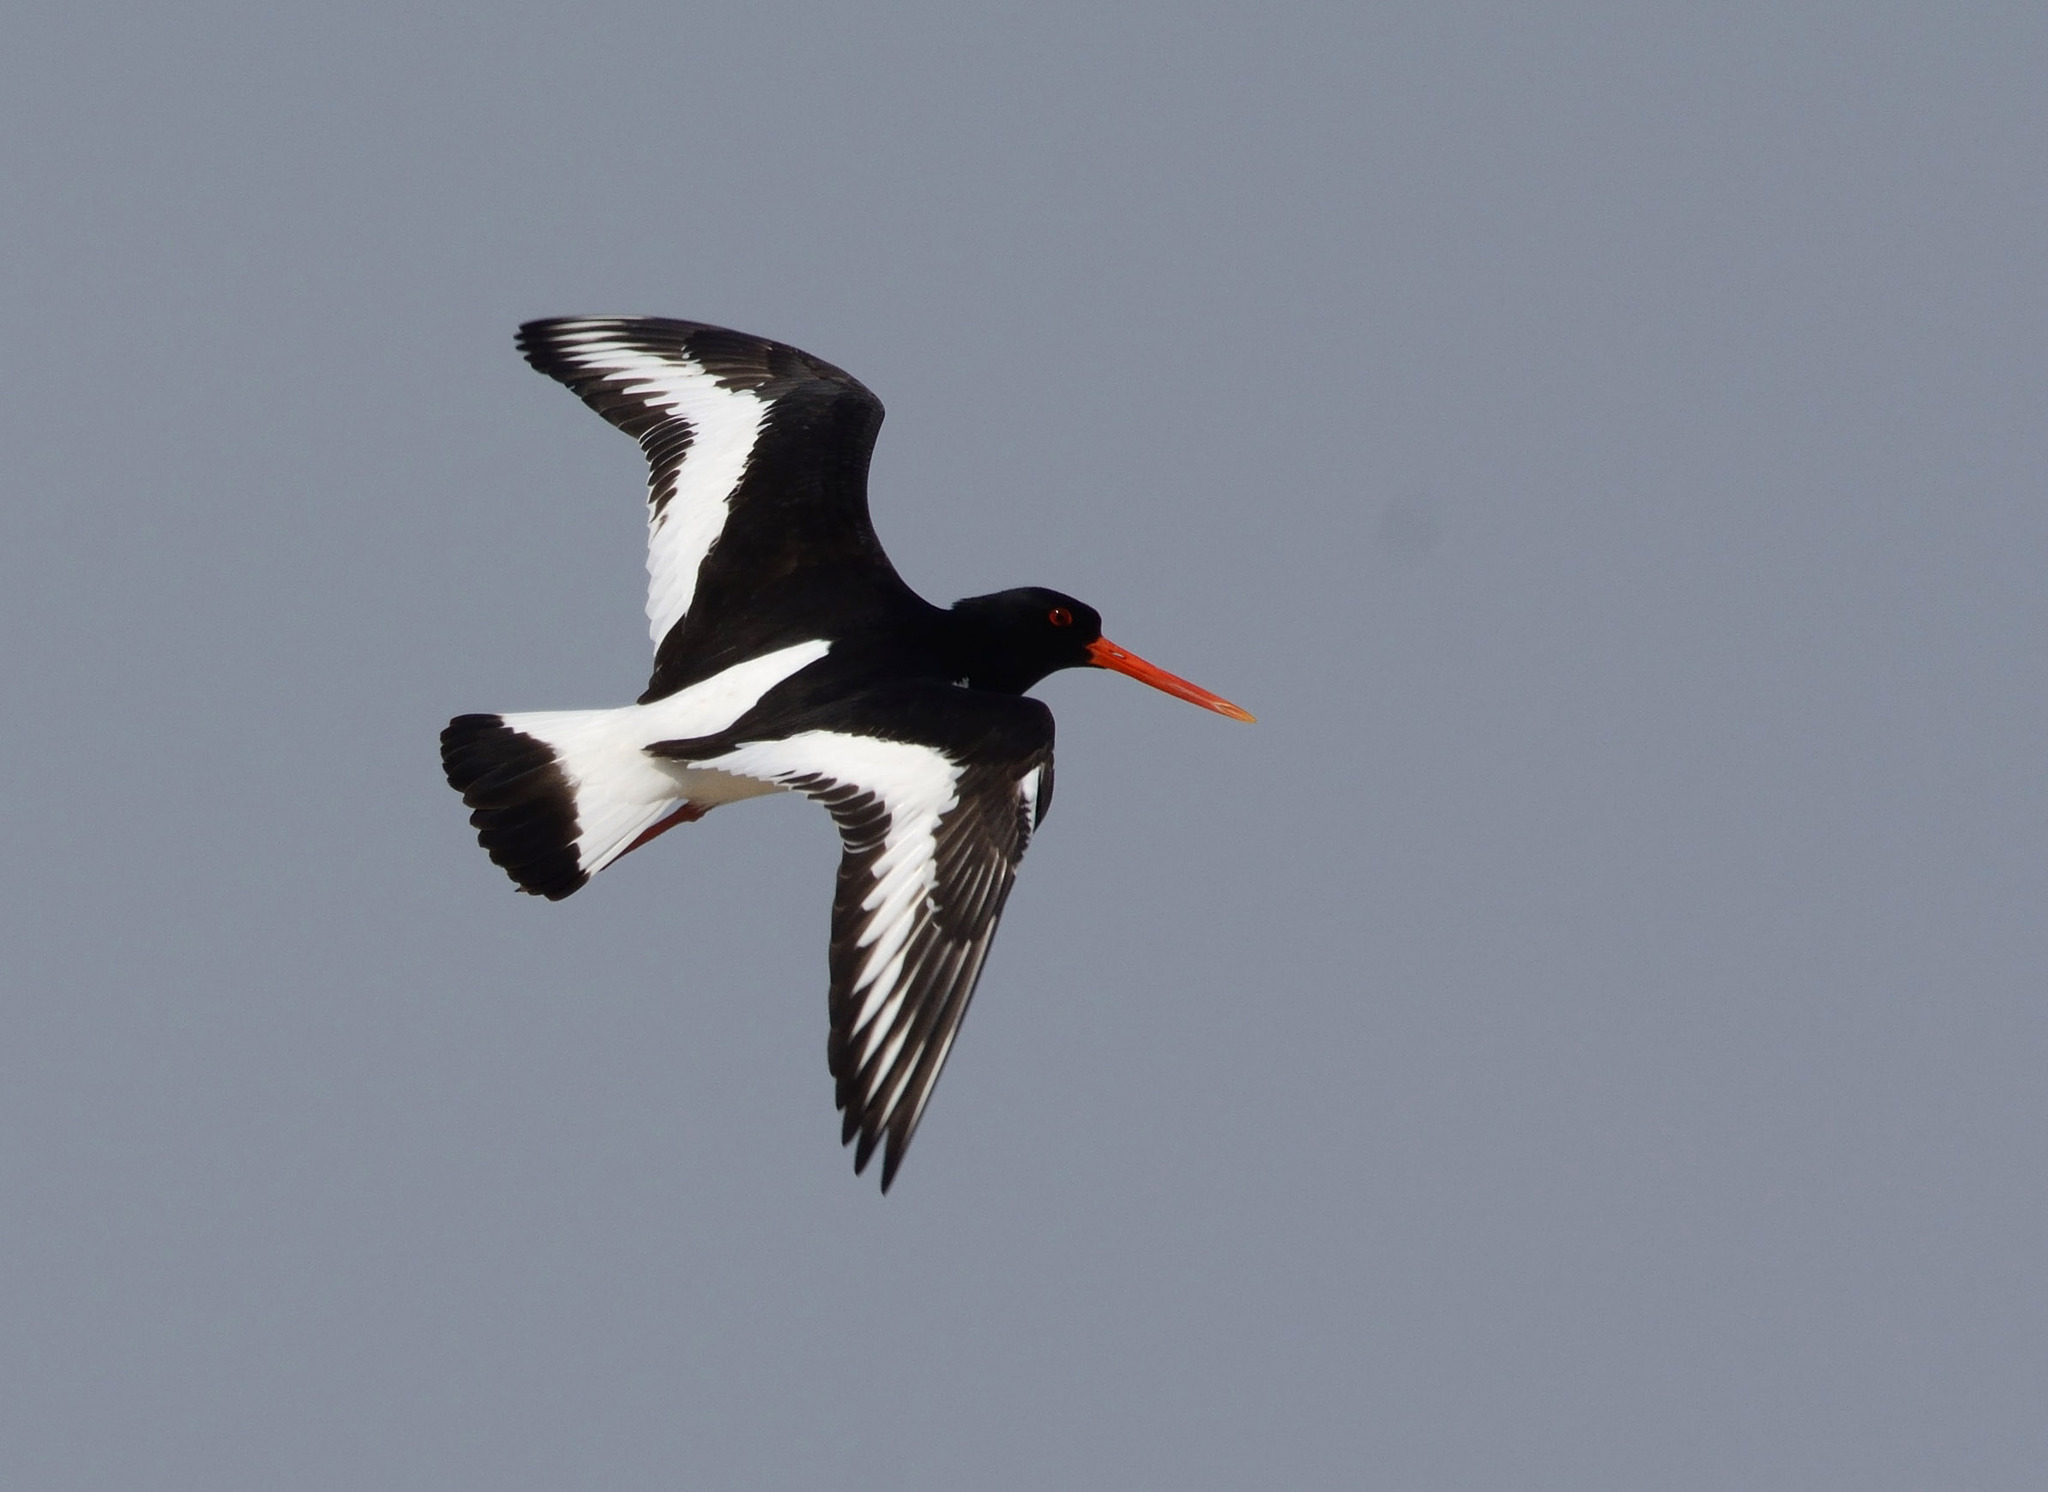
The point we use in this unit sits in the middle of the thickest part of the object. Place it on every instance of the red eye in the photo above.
(1059, 616)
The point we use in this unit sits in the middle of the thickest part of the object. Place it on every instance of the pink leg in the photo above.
(689, 813)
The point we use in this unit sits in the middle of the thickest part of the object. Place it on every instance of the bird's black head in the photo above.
(1010, 640)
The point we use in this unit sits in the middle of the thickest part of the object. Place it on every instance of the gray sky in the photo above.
(1590, 1034)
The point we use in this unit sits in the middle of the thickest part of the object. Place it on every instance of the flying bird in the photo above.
(789, 656)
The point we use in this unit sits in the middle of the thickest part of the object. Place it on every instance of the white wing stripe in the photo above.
(915, 783)
(680, 536)
(882, 1021)
(724, 425)
(891, 943)
(896, 885)
(891, 1009)
(887, 947)
(909, 850)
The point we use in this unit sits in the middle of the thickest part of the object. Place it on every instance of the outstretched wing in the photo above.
(757, 456)
(932, 837)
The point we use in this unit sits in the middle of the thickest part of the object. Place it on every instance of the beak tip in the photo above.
(1102, 653)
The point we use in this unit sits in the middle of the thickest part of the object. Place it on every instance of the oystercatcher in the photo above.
(790, 656)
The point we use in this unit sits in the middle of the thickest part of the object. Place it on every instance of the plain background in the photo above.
(1589, 1034)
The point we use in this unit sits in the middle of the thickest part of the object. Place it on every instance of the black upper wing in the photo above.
(757, 486)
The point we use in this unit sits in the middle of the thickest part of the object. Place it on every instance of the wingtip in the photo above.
(865, 1152)
(870, 1142)
(532, 333)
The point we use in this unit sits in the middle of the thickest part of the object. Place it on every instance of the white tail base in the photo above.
(621, 792)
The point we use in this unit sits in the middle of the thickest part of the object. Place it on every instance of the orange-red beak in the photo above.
(1105, 654)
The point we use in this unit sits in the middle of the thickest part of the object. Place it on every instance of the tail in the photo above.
(559, 796)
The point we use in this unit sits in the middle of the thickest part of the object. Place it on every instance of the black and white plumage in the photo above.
(790, 656)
